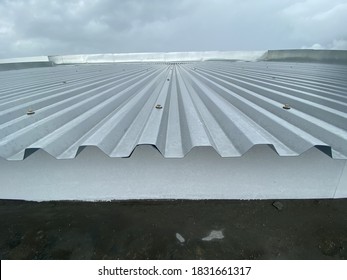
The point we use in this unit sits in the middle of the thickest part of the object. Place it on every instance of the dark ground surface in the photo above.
(303, 229)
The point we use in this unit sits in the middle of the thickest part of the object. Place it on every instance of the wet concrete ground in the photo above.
(296, 229)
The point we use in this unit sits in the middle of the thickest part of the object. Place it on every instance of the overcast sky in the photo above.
(43, 27)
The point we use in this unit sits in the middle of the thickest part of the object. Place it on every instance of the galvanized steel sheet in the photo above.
(230, 106)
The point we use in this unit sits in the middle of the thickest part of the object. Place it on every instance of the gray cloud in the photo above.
(41, 27)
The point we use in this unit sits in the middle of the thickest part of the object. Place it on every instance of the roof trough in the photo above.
(175, 102)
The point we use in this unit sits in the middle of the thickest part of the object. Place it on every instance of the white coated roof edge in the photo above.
(92, 176)
(157, 57)
(302, 55)
(139, 57)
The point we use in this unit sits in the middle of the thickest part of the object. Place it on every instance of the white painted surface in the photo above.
(337, 56)
(202, 174)
(157, 56)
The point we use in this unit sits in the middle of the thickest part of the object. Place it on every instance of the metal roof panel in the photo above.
(230, 106)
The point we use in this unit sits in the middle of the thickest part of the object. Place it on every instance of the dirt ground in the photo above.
(296, 229)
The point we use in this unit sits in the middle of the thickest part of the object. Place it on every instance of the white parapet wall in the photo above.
(202, 174)
(157, 57)
(299, 55)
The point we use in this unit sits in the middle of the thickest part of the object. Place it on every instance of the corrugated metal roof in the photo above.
(230, 106)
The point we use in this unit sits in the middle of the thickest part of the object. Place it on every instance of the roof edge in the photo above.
(306, 55)
(157, 57)
(292, 55)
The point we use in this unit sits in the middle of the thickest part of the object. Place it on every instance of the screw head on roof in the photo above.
(64, 82)
(168, 79)
(286, 107)
(158, 106)
(30, 112)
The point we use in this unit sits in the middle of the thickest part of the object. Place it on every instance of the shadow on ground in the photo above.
(294, 229)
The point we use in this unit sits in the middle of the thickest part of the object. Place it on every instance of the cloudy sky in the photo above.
(43, 27)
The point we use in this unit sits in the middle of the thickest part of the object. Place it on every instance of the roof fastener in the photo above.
(158, 106)
(30, 112)
(168, 79)
(286, 106)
